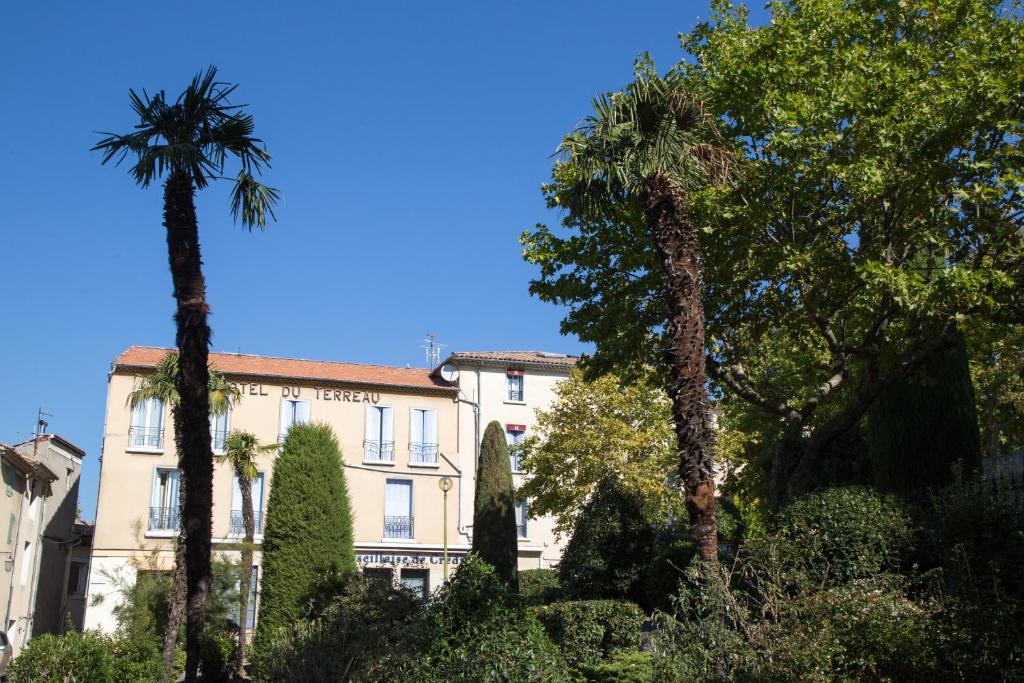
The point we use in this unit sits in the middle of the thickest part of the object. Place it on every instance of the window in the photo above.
(514, 435)
(522, 516)
(379, 442)
(147, 430)
(250, 612)
(398, 522)
(382, 576)
(423, 437)
(292, 413)
(26, 560)
(219, 427)
(237, 521)
(417, 581)
(164, 511)
(78, 576)
(10, 529)
(514, 381)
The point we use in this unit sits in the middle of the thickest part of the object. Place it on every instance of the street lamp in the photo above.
(445, 484)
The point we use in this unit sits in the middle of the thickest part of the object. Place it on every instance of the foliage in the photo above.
(216, 655)
(592, 631)
(539, 586)
(194, 135)
(607, 553)
(997, 368)
(923, 424)
(600, 429)
(495, 538)
(623, 667)
(162, 383)
(844, 533)
(308, 529)
(83, 657)
(672, 555)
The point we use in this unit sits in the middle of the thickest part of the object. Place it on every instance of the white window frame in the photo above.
(411, 538)
(423, 453)
(293, 414)
(257, 505)
(510, 380)
(214, 419)
(513, 437)
(523, 528)
(151, 414)
(166, 503)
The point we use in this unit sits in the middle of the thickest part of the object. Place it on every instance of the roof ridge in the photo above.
(305, 360)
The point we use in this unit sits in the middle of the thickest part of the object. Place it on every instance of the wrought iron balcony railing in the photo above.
(145, 437)
(515, 395)
(238, 522)
(423, 453)
(164, 519)
(378, 451)
(398, 526)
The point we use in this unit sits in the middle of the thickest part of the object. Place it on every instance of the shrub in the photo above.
(607, 554)
(623, 667)
(217, 655)
(591, 631)
(844, 533)
(665, 571)
(83, 657)
(495, 538)
(539, 586)
(308, 530)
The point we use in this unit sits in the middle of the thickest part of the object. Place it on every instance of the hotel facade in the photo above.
(401, 431)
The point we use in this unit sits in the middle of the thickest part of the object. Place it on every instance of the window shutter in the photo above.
(430, 426)
(416, 426)
(387, 424)
(257, 493)
(156, 417)
(302, 412)
(154, 498)
(398, 498)
(286, 417)
(173, 481)
(372, 423)
(139, 414)
(236, 494)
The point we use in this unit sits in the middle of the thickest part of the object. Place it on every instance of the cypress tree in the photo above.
(920, 426)
(308, 530)
(494, 516)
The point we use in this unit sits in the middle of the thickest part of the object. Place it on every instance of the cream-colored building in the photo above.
(401, 431)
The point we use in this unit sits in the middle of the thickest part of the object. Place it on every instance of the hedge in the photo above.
(589, 632)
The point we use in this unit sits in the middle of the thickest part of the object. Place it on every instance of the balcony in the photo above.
(378, 451)
(165, 519)
(238, 523)
(145, 438)
(422, 453)
(398, 526)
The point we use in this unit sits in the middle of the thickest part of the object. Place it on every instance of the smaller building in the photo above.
(38, 511)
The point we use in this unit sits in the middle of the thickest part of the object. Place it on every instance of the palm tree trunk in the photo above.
(675, 240)
(195, 457)
(176, 608)
(248, 518)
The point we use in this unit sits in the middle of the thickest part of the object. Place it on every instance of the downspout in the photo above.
(476, 448)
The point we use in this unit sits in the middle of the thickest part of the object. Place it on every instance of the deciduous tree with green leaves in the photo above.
(600, 430)
(188, 140)
(876, 208)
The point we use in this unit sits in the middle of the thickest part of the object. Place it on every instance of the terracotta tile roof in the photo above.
(238, 364)
(25, 463)
(532, 358)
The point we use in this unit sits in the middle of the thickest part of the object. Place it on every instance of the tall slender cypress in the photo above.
(494, 515)
(309, 527)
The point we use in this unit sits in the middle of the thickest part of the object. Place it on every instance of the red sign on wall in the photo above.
(516, 428)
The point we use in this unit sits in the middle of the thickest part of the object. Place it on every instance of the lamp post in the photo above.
(445, 484)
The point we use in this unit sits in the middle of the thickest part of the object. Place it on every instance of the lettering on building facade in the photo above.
(319, 393)
(413, 560)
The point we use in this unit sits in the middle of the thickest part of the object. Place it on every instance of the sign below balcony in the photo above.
(411, 559)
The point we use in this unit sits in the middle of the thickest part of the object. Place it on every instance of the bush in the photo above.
(217, 655)
(539, 586)
(591, 631)
(495, 538)
(624, 667)
(84, 657)
(309, 528)
(607, 554)
(844, 533)
(665, 571)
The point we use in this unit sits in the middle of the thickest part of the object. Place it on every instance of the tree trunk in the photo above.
(248, 519)
(176, 607)
(195, 455)
(676, 242)
(787, 455)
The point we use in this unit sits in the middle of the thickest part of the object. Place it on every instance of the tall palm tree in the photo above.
(188, 141)
(241, 449)
(645, 149)
(162, 384)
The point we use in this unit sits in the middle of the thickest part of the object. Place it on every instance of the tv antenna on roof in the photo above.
(433, 349)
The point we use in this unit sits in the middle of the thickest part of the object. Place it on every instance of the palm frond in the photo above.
(253, 200)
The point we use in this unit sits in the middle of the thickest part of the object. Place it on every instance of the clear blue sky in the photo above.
(409, 142)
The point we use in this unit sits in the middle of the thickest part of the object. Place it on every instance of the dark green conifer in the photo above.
(309, 528)
(922, 425)
(494, 516)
